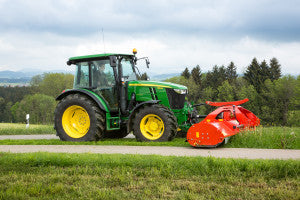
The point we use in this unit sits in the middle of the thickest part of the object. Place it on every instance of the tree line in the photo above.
(38, 99)
(274, 98)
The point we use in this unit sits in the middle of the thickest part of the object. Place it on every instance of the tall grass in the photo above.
(267, 137)
(96, 176)
(20, 129)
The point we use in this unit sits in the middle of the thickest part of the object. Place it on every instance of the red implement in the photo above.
(225, 121)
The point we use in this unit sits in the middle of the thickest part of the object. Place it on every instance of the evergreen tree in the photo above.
(231, 74)
(7, 113)
(8, 97)
(216, 77)
(221, 74)
(196, 75)
(2, 109)
(14, 94)
(275, 69)
(211, 79)
(265, 71)
(253, 75)
(186, 73)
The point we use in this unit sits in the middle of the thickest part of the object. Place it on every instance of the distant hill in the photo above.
(27, 73)
(22, 76)
(162, 77)
(13, 74)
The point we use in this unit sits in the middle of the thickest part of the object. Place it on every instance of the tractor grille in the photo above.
(176, 100)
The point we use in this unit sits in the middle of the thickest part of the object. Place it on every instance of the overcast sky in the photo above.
(43, 34)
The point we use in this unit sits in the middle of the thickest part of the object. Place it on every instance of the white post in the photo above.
(27, 121)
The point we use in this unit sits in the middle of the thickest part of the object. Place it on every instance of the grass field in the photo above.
(94, 176)
(268, 137)
(262, 137)
(20, 129)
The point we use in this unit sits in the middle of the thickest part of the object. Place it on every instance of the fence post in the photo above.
(27, 120)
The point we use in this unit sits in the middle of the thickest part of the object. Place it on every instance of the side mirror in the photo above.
(113, 61)
(147, 63)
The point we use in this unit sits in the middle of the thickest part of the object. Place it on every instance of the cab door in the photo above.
(104, 83)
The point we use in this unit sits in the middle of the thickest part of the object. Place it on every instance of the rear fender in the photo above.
(93, 96)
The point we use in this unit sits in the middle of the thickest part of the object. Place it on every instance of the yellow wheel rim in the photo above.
(152, 127)
(76, 121)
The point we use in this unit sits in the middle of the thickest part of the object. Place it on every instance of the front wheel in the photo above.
(78, 118)
(154, 123)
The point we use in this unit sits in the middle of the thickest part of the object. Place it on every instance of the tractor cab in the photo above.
(104, 74)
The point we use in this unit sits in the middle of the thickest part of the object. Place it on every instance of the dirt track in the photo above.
(165, 151)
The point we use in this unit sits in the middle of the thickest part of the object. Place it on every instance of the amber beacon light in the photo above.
(134, 51)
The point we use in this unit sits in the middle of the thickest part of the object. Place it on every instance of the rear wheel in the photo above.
(78, 118)
(154, 123)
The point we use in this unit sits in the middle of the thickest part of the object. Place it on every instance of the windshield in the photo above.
(128, 70)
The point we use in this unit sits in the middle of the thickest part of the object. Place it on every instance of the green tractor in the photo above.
(109, 101)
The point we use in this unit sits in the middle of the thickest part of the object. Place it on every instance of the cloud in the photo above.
(174, 34)
(264, 19)
(167, 53)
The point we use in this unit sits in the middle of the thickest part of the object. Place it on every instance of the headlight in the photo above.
(180, 91)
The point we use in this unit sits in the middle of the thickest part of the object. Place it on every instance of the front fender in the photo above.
(134, 110)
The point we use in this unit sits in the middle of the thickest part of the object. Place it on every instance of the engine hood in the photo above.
(156, 84)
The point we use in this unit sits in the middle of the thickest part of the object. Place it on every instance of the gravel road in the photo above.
(164, 151)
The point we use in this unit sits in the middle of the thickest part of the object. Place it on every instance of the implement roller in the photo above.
(218, 126)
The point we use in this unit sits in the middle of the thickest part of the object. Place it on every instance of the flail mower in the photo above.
(218, 126)
(108, 100)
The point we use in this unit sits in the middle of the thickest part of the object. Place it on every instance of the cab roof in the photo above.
(76, 59)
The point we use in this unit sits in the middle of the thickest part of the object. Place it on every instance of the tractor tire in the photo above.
(115, 134)
(154, 123)
(78, 118)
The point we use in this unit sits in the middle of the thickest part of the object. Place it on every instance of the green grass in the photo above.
(268, 137)
(178, 142)
(20, 129)
(96, 176)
